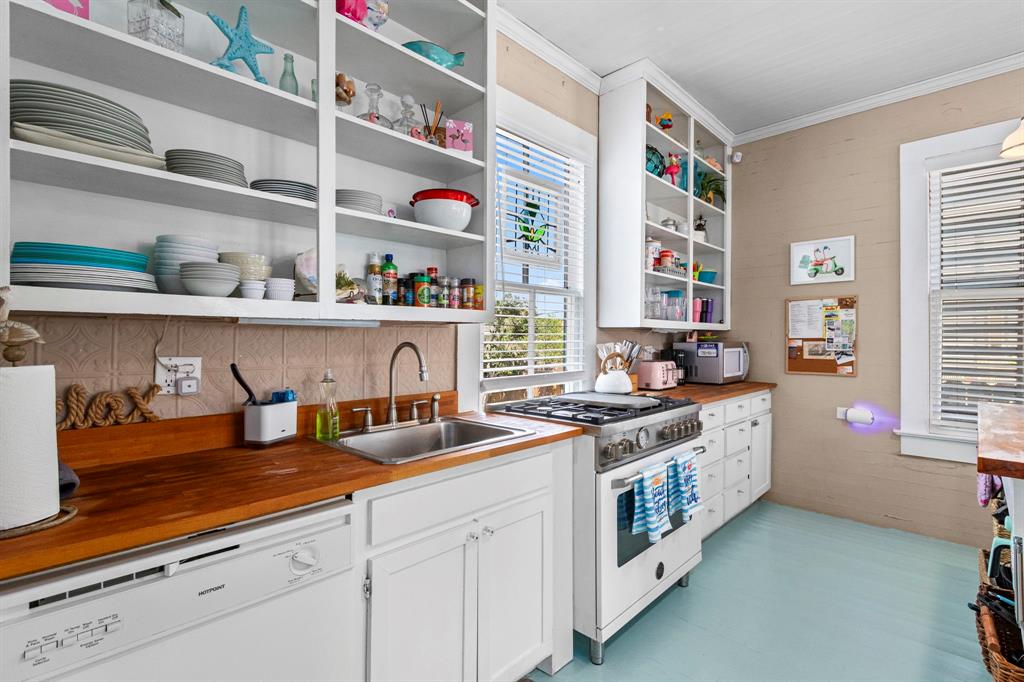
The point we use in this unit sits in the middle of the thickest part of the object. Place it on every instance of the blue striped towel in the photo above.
(651, 493)
(686, 495)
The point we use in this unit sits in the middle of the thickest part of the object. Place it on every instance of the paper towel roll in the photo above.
(28, 445)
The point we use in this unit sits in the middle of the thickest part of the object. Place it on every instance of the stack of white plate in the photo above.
(209, 279)
(80, 277)
(359, 200)
(174, 249)
(289, 188)
(200, 164)
(280, 288)
(252, 266)
(77, 112)
(253, 288)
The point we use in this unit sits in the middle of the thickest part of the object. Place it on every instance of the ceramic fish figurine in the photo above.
(665, 120)
(436, 53)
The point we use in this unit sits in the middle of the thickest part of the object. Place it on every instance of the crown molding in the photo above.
(925, 87)
(546, 50)
(652, 73)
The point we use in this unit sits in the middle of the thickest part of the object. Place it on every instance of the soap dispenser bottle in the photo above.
(328, 425)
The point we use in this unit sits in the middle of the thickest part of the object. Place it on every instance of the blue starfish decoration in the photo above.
(241, 44)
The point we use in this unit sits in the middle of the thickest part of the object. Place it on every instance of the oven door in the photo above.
(629, 566)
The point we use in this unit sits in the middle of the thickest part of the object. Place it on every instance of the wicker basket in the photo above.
(986, 582)
(997, 637)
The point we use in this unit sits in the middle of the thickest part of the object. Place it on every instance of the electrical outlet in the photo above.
(169, 369)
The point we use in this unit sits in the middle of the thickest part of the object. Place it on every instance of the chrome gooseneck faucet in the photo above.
(424, 375)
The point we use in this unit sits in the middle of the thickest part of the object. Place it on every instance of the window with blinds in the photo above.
(976, 290)
(536, 336)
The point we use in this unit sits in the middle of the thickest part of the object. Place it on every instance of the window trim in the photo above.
(529, 121)
(917, 159)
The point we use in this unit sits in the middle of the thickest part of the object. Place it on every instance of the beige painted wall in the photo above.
(533, 79)
(831, 179)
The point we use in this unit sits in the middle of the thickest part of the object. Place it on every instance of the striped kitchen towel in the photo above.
(651, 493)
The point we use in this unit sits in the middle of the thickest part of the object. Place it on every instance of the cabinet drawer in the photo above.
(737, 468)
(737, 437)
(736, 410)
(714, 444)
(713, 517)
(433, 504)
(712, 479)
(735, 500)
(761, 403)
(712, 417)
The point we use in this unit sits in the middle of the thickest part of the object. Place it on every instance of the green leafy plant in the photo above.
(711, 186)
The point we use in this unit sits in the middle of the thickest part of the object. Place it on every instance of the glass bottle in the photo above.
(374, 92)
(328, 425)
(390, 273)
(408, 120)
(288, 82)
(374, 280)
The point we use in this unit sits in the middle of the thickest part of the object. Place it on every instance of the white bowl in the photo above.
(218, 268)
(209, 287)
(286, 281)
(170, 284)
(242, 259)
(446, 213)
(255, 295)
(187, 240)
(280, 295)
(184, 253)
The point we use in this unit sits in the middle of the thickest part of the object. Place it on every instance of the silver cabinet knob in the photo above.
(488, 531)
(472, 536)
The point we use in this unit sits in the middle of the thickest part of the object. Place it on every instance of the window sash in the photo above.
(976, 291)
(544, 277)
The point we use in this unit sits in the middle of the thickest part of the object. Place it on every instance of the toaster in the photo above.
(657, 375)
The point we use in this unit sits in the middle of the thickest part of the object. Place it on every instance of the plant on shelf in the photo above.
(710, 187)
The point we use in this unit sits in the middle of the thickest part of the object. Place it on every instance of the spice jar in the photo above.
(468, 293)
(445, 293)
(421, 291)
(478, 297)
(667, 258)
(454, 293)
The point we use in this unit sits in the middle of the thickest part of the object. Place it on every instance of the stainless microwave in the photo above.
(713, 362)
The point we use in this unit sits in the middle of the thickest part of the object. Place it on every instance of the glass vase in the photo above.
(374, 92)
(152, 21)
(288, 82)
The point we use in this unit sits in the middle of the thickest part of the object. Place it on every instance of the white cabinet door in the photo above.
(423, 609)
(760, 455)
(516, 578)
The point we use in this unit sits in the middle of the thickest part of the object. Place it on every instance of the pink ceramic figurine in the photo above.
(353, 9)
(673, 168)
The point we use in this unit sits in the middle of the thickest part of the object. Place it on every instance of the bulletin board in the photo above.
(821, 336)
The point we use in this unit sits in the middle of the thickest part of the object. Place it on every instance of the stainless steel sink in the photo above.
(408, 443)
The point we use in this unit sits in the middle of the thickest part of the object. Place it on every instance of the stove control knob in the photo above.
(667, 433)
(688, 427)
(304, 560)
(613, 451)
(627, 446)
(679, 430)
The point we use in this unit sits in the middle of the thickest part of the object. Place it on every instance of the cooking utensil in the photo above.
(245, 387)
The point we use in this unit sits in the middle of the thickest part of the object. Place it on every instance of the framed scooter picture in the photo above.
(822, 261)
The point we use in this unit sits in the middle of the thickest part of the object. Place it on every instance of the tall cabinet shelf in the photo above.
(633, 202)
(50, 194)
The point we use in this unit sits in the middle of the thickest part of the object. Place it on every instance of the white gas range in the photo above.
(616, 574)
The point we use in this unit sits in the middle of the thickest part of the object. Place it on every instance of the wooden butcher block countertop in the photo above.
(706, 394)
(129, 504)
(1001, 439)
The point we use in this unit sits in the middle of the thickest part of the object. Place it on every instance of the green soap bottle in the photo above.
(390, 273)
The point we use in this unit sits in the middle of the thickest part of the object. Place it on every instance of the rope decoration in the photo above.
(105, 409)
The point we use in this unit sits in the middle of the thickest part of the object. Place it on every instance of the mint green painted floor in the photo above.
(785, 594)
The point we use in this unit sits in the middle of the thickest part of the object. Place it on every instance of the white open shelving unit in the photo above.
(50, 194)
(633, 202)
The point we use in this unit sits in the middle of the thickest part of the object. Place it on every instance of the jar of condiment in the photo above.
(478, 297)
(421, 291)
(410, 291)
(432, 271)
(468, 293)
(667, 258)
(444, 294)
(403, 286)
(653, 253)
(454, 293)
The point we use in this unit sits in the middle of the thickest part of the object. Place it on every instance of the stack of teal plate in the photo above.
(79, 267)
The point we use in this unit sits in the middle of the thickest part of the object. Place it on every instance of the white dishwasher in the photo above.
(265, 600)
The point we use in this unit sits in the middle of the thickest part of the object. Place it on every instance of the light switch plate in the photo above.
(166, 377)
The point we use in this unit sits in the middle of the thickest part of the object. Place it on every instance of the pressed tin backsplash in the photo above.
(113, 353)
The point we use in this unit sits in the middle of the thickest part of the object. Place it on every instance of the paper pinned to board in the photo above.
(806, 319)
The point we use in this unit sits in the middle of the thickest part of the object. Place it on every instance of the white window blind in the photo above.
(536, 336)
(976, 290)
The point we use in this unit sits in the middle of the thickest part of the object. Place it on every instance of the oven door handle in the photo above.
(626, 482)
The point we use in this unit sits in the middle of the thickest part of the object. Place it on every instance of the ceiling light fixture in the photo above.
(1013, 145)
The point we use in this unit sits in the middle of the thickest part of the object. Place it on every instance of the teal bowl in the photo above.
(707, 276)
